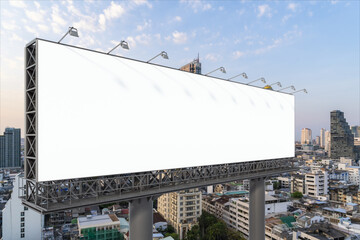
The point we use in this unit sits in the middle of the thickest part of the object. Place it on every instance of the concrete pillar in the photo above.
(141, 219)
(257, 209)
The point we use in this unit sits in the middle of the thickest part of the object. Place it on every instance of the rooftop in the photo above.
(99, 220)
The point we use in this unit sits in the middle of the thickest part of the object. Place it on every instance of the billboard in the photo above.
(101, 115)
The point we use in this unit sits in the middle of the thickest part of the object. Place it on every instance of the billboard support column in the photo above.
(141, 219)
(257, 209)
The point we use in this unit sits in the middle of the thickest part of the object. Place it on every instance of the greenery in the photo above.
(276, 185)
(211, 228)
(169, 231)
(297, 195)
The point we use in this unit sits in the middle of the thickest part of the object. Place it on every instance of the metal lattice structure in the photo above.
(51, 196)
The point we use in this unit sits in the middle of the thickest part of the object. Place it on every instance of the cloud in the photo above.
(310, 14)
(114, 11)
(18, 4)
(238, 54)
(102, 22)
(179, 37)
(264, 10)
(211, 57)
(9, 25)
(177, 19)
(333, 2)
(292, 6)
(142, 2)
(36, 16)
(131, 41)
(197, 5)
(285, 18)
(37, 4)
(143, 39)
(146, 24)
(240, 12)
(43, 27)
(285, 38)
(31, 30)
(58, 22)
(15, 37)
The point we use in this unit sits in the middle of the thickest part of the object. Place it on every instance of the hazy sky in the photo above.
(308, 44)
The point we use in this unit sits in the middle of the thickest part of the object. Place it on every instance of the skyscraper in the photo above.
(306, 136)
(342, 139)
(327, 142)
(10, 147)
(194, 66)
(322, 137)
(356, 131)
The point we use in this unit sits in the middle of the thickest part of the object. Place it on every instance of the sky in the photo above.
(308, 44)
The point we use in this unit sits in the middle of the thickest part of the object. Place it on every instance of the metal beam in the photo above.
(61, 195)
(257, 209)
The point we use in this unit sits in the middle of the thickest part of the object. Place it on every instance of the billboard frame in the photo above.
(59, 195)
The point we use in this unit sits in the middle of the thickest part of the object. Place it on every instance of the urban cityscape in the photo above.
(320, 200)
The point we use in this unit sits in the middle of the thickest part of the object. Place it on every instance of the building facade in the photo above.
(342, 139)
(10, 148)
(193, 67)
(20, 222)
(322, 137)
(306, 136)
(316, 184)
(181, 209)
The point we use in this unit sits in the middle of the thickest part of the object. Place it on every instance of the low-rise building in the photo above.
(101, 226)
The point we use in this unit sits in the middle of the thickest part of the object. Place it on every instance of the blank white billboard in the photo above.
(103, 115)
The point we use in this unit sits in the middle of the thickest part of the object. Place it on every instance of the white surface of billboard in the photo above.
(102, 115)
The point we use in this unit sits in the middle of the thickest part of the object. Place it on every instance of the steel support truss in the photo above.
(60, 195)
(51, 196)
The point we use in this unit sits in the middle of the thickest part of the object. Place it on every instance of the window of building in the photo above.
(26, 208)
(22, 214)
(22, 230)
(23, 219)
(22, 235)
(22, 224)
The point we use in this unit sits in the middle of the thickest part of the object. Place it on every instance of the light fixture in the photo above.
(277, 83)
(302, 90)
(72, 31)
(259, 79)
(241, 74)
(123, 44)
(222, 69)
(292, 87)
(163, 54)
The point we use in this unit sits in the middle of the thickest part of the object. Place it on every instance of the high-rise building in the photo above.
(181, 209)
(322, 137)
(194, 66)
(306, 136)
(342, 139)
(356, 131)
(10, 148)
(327, 142)
(317, 140)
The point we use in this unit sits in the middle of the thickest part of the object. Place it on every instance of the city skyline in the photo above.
(315, 44)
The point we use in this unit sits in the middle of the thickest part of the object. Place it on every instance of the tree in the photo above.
(194, 233)
(217, 231)
(276, 185)
(206, 220)
(234, 235)
(297, 195)
(175, 236)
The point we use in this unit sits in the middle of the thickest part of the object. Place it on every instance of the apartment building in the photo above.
(181, 209)
(316, 184)
(237, 216)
